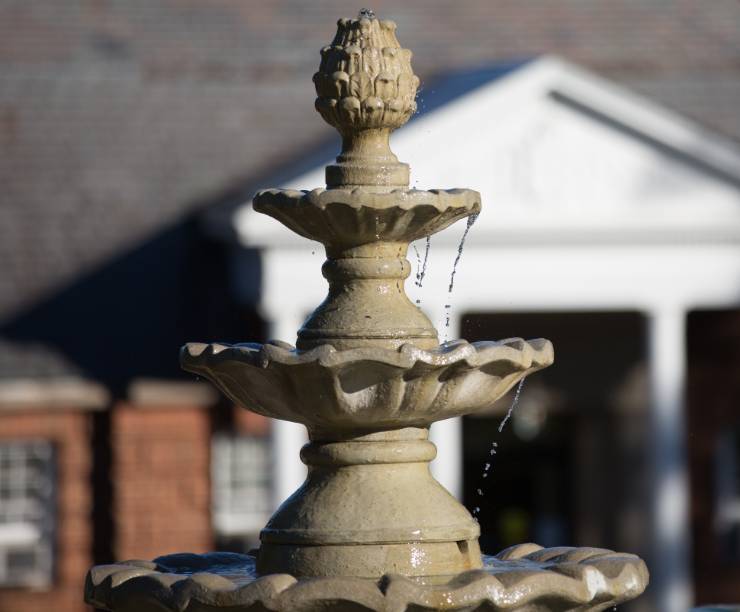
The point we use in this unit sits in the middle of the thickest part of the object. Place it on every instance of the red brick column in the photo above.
(250, 423)
(161, 477)
(69, 429)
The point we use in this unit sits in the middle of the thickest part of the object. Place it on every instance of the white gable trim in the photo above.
(672, 222)
(642, 115)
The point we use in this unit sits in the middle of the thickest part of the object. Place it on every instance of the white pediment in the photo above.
(561, 155)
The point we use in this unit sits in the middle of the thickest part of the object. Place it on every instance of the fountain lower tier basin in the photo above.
(524, 578)
(366, 389)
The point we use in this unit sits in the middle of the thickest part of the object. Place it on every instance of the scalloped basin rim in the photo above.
(527, 353)
(360, 197)
(560, 579)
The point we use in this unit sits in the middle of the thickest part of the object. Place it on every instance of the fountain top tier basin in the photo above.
(366, 233)
(345, 218)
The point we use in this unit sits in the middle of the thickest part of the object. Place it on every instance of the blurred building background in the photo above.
(133, 136)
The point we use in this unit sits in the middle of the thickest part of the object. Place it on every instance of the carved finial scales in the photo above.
(366, 89)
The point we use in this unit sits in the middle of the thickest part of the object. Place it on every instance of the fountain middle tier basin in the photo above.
(367, 389)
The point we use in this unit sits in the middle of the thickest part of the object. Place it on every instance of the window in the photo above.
(240, 473)
(27, 512)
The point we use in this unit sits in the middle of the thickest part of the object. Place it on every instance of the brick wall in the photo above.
(70, 431)
(161, 480)
(250, 423)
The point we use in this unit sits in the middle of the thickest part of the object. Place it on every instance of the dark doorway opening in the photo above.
(569, 467)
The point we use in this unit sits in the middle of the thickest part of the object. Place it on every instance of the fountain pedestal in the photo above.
(370, 529)
(393, 517)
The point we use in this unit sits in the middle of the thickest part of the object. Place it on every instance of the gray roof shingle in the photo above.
(118, 118)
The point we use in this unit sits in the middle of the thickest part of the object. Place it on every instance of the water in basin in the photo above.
(241, 568)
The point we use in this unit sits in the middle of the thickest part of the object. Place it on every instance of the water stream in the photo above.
(424, 263)
(418, 264)
(421, 266)
(471, 221)
(480, 491)
(513, 405)
(448, 307)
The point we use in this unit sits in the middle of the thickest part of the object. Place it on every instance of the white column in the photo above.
(447, 435)
(287, 438)
(670, 564)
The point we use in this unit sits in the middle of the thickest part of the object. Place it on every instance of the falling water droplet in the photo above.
(513, 405)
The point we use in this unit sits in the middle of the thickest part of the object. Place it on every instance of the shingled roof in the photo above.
(120, 120)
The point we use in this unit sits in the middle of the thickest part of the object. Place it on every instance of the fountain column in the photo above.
(287, 438)
(448, 466)
(447, 435)
(670, 548)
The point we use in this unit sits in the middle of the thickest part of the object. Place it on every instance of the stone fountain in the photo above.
(370, 529)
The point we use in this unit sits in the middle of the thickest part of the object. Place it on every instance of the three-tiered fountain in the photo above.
(370, 529)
